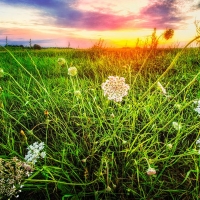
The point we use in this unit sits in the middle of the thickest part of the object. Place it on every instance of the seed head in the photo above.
(168, 34)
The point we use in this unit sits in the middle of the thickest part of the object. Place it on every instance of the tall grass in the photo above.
(96, 148)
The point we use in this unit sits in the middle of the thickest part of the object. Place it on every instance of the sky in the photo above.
(81, 23)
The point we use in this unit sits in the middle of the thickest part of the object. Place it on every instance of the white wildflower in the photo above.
(43, 154)
(177, 125)
(196, 102)
(197, 109)
(72, 71)
(178, 106)
(61, 62)
(115, 88)
(198, 142)
(34, 152)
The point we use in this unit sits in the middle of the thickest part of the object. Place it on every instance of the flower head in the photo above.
(178, 106)
(151, 171)
(1, 73)
(13, 172)
(176, 125)
(197, 109)
(196, 102)
(108, 189)
(168, 34)
(198, 142)
(61, 62)
(115, 88)
(43, 154)
(35, 152)
(72, 71)
(112, 115)
(77, 93)
(169, 146)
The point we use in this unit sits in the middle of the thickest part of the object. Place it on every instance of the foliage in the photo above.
(37, 46)
(144, 147)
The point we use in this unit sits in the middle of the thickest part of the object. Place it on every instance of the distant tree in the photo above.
(37, 46)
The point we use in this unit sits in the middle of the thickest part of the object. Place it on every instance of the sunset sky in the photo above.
(81, 23)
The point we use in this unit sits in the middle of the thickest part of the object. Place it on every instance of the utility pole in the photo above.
(6, 41)
(30, 43)
(68, 45)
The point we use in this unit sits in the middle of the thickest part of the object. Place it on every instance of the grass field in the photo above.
(143, 147)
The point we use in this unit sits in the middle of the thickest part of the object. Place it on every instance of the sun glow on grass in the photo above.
(132, 143)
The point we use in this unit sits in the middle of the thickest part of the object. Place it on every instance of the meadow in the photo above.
(87, 146)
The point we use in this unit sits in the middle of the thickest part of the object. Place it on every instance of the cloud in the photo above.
(65, 15)
(5, 32)
(198, 6)
(163, 14)
(36, 3)
(94, 21)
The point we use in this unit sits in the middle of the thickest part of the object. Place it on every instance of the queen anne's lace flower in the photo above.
(115, 88)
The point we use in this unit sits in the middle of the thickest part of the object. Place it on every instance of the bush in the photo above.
(37, 46)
